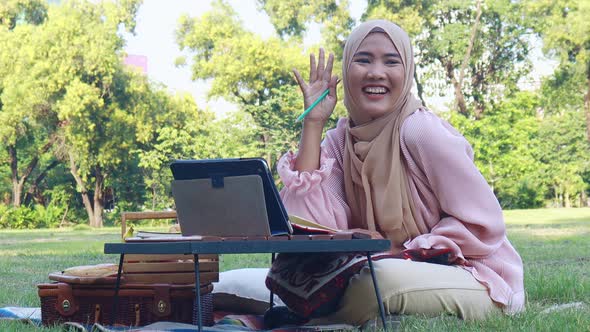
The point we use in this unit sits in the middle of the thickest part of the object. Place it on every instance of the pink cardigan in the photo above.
(450, 195)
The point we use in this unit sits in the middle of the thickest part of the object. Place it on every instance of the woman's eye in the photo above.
(392, 62)
(361, 60)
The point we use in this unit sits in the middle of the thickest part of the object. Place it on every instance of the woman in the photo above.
(396, 168)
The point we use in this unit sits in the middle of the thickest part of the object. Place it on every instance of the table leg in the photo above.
(271, 302)
(198, 292)
(117, 286)
(381, 308)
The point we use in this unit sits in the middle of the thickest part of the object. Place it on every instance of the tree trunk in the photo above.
(587, 104)
(18, 183)
(34, 192)
(566, 199)
(16, 188)
(420, 88)
(268, 155)
(83, 190)
(450, 68)
(98, 197)
(459, 97)
(153, 197)
(467, 55)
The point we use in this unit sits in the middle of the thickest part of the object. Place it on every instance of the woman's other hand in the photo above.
(320, 79)
(366, 232)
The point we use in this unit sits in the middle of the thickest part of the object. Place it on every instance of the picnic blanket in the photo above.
(24, 314)
(224, 321)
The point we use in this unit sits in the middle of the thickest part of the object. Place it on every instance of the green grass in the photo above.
(554, 245)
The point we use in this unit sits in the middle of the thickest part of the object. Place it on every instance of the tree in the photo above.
(565, 157)
(91, 92)
(242, 67)
(564, 27)
(173, 134)
(25, 122)
(481, 47)
(13, 12)
(507, 146)
(291, 20)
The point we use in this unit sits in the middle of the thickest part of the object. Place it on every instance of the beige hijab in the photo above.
(375, 177)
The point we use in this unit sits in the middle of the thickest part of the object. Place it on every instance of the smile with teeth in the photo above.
(375, 90)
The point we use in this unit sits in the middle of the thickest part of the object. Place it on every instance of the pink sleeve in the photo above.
(317, 195)
(471, 222)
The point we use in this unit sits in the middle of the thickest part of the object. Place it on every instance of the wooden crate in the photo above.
(172, 269)
(144, 215)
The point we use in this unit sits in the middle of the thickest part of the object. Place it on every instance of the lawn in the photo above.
(554, 244)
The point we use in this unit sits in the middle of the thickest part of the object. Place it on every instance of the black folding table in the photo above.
(368, 246)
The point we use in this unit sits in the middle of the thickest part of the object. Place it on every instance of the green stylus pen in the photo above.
(315, 103)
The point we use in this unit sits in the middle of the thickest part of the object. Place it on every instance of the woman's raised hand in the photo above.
(320, 79)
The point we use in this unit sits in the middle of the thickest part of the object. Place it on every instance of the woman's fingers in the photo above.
(299, 79)
(328, 71)
(321, 69)
(333, 84)
(312, 68)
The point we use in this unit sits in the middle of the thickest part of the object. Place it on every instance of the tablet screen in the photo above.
(216, 169)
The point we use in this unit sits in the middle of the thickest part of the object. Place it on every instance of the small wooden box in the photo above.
(169, 269)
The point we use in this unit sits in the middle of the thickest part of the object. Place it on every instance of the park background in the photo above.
(90, 119)
(85, 134)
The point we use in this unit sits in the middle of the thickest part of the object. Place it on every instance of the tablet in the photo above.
(218, 169)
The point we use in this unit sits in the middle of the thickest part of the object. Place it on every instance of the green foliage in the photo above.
(566, 164)
(563, 24)
(81, 134)
(412, 16)
(23, 217)
(291, 19)
(243, 67)
(562, 91)
(13, 12)
(497, 58)
(566, 33)
(506, 144)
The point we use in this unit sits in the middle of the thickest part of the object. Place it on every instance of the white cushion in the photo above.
(243, 291)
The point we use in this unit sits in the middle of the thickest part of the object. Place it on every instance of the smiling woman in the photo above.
(395, 168)
(376, 77)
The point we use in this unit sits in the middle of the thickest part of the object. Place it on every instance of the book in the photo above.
(150, 234)
(301, 225)
(164, 237)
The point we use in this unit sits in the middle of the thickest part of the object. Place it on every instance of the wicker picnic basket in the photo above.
(153, 288)
(138, 304)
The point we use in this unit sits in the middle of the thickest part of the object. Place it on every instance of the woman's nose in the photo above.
(375, 72)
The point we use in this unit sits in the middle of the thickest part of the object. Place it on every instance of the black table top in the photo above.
(248, 247)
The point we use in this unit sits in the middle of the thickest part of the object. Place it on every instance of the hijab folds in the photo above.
(375, 177)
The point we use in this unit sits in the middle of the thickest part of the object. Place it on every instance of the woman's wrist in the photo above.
(313, 125)
(308, 157)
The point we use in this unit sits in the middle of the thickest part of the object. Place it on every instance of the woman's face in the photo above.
(375, 76)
